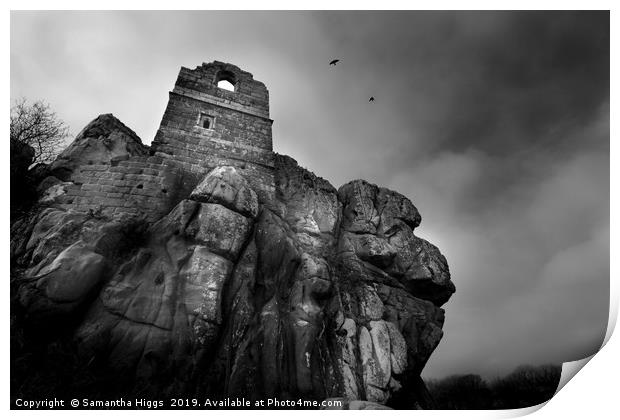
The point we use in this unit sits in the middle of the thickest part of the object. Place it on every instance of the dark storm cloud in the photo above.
(502, 82)
(539, 70)
(495, 124)
(479, 74)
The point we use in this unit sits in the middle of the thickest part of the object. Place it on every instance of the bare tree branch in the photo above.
(38, 126)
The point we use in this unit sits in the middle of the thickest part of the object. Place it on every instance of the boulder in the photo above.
(377, 230)
(374, 376)
(428, 276)
(50, 189)
(221, 230)
(308, 203)
(169, 296)
(225, 186)
(370, 305)
(372, 249)
(398, 349)
(65, 283)
(204, 275)
(73, 274)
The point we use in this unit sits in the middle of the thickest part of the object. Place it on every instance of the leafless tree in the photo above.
(37, 126)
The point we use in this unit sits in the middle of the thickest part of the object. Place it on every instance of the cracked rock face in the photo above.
(322, 293)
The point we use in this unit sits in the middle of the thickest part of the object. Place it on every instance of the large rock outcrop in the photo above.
(103, 140)
(318, 293)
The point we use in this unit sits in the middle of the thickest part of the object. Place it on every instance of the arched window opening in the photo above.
(226, 80)
(226, 85)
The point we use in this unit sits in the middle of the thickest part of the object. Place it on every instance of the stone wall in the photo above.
(139, 185)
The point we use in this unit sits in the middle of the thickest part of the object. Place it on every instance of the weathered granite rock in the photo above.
(319, 293)
(221, 230)
(398, 349)
(375, 367)
(309, 204)
(65, 283)
(67, 256)
(369, 304)
(104, 140)
(50, 189)
(205, 274)
(48, 233)
(378, 235)
(225, 186)
(173, 287)
(207, 265)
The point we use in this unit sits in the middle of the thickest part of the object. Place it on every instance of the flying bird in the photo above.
(372, 99)
(333, 62)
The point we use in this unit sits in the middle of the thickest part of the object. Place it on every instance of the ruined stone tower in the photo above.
(164, 271)
(205, 125)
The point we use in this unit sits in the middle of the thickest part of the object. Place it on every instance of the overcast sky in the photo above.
(495, 125)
